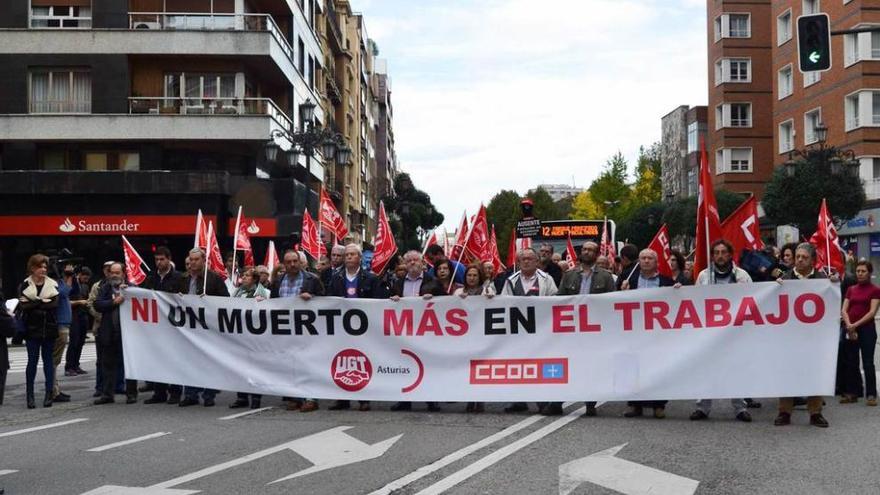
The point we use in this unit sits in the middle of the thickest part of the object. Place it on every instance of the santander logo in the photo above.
(253, 229)
(67, 226)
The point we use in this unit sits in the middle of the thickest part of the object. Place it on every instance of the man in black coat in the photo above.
(547, 265)
(353, 282)
(200, 281)
(164, 279)
(629, 261)
(110, 336)
(7, 330)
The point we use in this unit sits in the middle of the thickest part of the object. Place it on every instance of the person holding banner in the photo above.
(203, 282)
(164, 279)
(353, 282)
(416, 283)
(722, 271)
(110, 336)
(804, 261)
(646, 277)
(586, 279)
(249, 289)
(859, 308)
(443, 273)
(297, 282)
(528, 281)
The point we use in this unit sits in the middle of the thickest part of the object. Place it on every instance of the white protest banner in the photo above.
(742, 340)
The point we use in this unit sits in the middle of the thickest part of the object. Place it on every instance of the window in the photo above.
(60, 91)
(53, 160)
(812, 119)
(811, 7)
(694, 131)
(861, 46)
(732, 26)
(195, 85)
(301, 50)
(783, 27)
(733, 70)
(733, 115)
(729, 160)
(851, 111)
(785, 81)
(61, 16)
(786, 136)
(811, 78)
(111, 161)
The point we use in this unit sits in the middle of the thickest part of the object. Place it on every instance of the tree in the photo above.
(796, 200)
(411, 209)
(503, 211)
(641, 225)
(647, 187)
(611, 186)
(584, 208)
(564, 206)
(681, 215)
(544, 208)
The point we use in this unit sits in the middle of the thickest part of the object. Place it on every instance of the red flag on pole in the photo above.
(570, 252)
(828, 252)
(311, 244)
(478, 238)
(511, 249)
(330, 217)
(708, 222)
(134, 264)
(214, 258)
(271, 260)
(660, 245)
(460, 238)
(495, 256)
(431, 240)
(385, 244)
(606, 246)
(741, 228)
(242, 240)
(201, 234)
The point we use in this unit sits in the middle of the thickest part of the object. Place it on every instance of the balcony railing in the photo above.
(872, 188)
(210, 106)
(171, 21)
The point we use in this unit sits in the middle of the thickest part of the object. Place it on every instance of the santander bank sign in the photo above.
(85, 226)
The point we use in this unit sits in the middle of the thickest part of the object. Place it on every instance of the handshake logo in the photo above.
(351, 370)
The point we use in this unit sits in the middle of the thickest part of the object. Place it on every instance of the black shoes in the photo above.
(591, 410)
(552, 409)
(209, 402)
(744, 416)
(783, 419)
(156, 400)
(433, 407)
(103, 400)
(30, 401)
(516, 407)
(402, 406)
(186, 402)
(699, 415)
(61, 397)
(47, 401)
(238, 404)
(340, 405)
(131, 399)
(173, 399)
(753, 404)
(633, 412)
(255, 403)
(818, 420)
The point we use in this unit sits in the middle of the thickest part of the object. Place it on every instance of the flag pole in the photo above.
(827, 237)
(709, 263)
(235, 247)
(207, 250)
(461, 254)
(199, 220)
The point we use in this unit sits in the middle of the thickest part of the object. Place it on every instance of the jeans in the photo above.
(864, 346)
(112, 360)
(37, 348)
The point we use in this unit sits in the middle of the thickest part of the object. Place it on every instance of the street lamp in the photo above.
(821, 132)
(839, 161)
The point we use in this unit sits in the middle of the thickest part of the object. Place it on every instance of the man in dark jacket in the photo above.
(164, 279)
(200, 281)
(337, 255)
(110, 336)
(646, 276)
(297, 282)
(584, 280)
(352, 282)
(7, 330)
(629, 262)
(547, 265)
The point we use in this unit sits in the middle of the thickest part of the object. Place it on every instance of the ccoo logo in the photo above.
(351, 370)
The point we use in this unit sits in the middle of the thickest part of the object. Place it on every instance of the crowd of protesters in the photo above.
(55, 313)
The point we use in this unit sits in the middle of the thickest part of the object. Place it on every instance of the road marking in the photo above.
(627, 477)
(7, 471)
(465, 473)
(252, 411)
(44, 427)
(128, 442)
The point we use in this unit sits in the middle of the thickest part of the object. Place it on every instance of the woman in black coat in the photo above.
(38, 303)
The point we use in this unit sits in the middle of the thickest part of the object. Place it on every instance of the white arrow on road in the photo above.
(630, 478)
(326, 450)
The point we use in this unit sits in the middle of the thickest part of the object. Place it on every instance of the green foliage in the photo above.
(641, 225)
(503, 211)
(584, 208)
(611, 186)
(680, 216)
(544, 207)
(796, 200)
(412, 208)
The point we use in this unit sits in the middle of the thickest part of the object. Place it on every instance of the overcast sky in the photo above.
(508, 94)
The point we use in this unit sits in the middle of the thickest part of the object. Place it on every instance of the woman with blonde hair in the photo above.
(38, 304)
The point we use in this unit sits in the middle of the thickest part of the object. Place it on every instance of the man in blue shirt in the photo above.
(434, 254)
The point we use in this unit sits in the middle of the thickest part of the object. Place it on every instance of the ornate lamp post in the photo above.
(839, 161)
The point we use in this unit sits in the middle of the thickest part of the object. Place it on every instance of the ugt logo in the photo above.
(351, 370)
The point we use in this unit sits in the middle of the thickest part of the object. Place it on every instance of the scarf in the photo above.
(719, 273)
(50, 289)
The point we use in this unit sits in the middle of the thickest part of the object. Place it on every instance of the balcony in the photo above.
(872, 189)
(202, 119)
(153, 182)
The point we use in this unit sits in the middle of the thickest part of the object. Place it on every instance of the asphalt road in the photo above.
(162, 449)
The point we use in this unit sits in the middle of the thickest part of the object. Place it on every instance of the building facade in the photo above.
(682, 131)
(560, 191)
(127, 116)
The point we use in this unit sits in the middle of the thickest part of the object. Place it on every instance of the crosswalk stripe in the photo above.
(7, 471)
(42, 427)
(129, 442)
(246, 413)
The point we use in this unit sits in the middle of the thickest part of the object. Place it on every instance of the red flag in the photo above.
(478, 238)
(133, 264)
(215, 259)
(271, 260)
(385, 245)
(511, 249)
(495, 255)
(330, 217)
(828, 252)
(606, 247)
(708, 222)
(460, 238)
(741, 228)
(201, 234)
(311, 244)
(660, 245)
(570, 252)
(431, 240)
(242, 240)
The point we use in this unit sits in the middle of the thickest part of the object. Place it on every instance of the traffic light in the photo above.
(814, 43)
